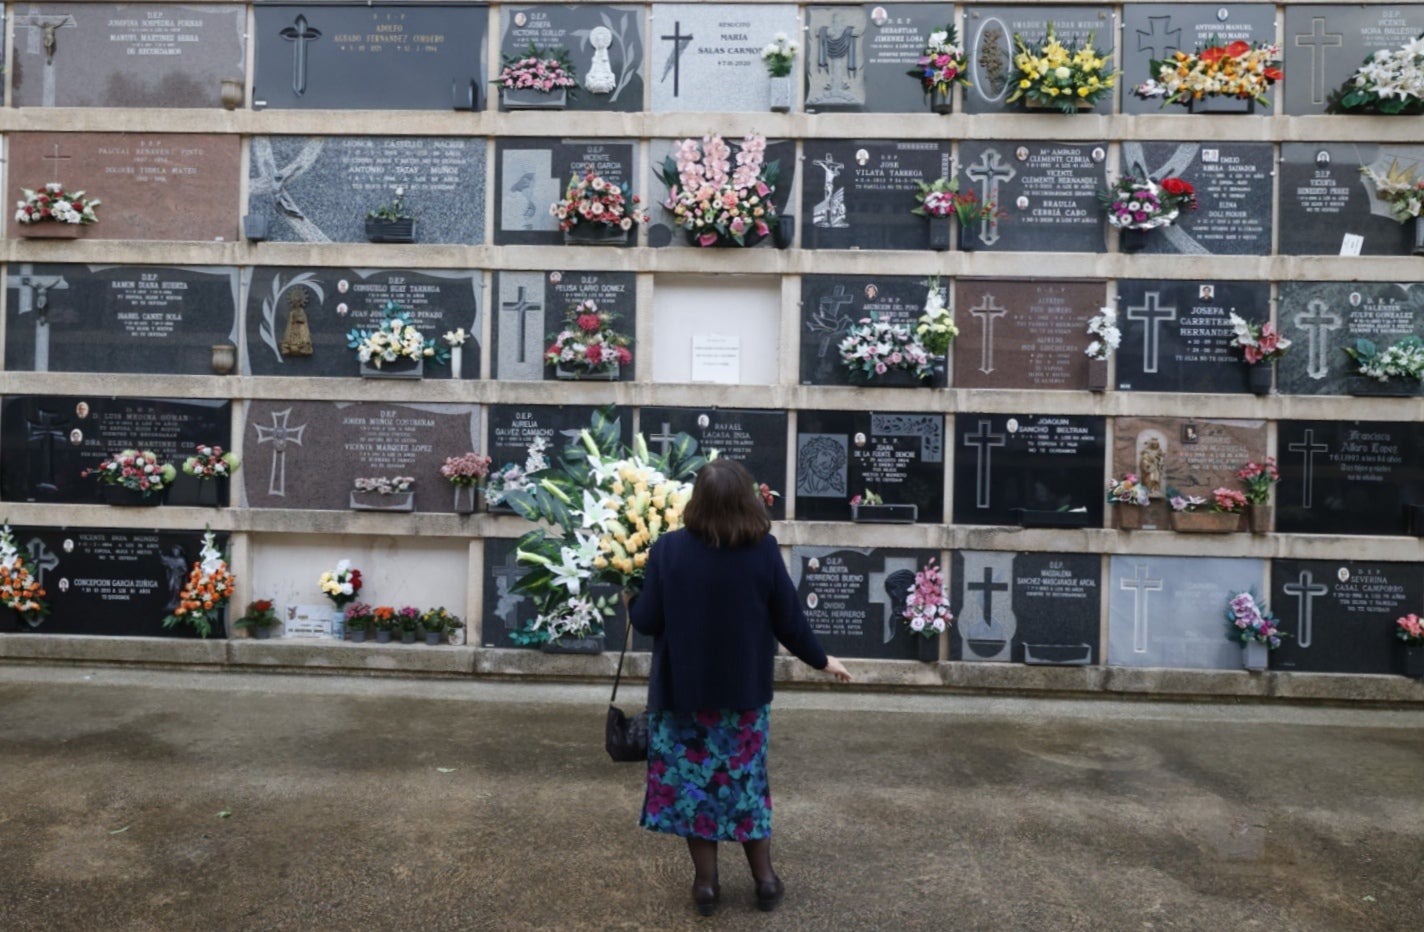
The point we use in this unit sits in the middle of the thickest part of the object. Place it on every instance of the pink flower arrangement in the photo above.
(713, 201)
(538, 70)
(140, 470)
(1228, 500)
(466, 469)
(1259, 477)
(1248, 621)
(1258, 342)
(1410, 630)
(927, 610)
(588, 341)
(594, 200)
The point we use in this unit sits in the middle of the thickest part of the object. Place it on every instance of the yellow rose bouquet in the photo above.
(1064, 77)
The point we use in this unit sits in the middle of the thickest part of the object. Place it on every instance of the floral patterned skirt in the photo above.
(707, 774)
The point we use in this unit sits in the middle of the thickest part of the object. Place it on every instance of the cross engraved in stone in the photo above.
(1307, 447)
(299, 34)
(521, 307)
(665, 438)
(1305, 589)
(989, 170)
(1318, 40)
(987, 311)
(1151, 314)
(984, 442)
(673, 64)
(987, 588)
(56, 158)
(828, 320)
(43, 431)
(1139, 584)
(43, 558)
(1317, 320)
(1159, 38)
(279, 434)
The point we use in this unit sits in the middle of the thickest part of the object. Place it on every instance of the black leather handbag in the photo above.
(625, 738)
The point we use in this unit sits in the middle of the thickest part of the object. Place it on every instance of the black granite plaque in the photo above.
(49, 440)
(1040, 608)
(506, 611)
(1348, 477)
(843, 454)
(1233, 185)
(298, 319)
(989, 36)
(1325, 199)
(124, 318)
(530, 308)
(386, 56)
(1324, 45)
(661, 233)
(1047, 193)
(605, 44)
(1030, 469)
(512, 428)
(1155, 30)
(531, 175)
(854, 598)
(831, 304)
(1322, 318)
(1339, 615)
(756, 439)
(858, 193)
(1177, 336)
(857, 58)
(111, 582)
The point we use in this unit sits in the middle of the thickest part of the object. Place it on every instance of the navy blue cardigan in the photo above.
(715, 615)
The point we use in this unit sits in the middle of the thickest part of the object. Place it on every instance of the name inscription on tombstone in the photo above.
(1177, 336)
(756, 439)
(1233, 184)
(513, 428)
(859, 193)
(1039, 470)
(1155, 30)
(856, 58)
(709, 57)
(1168, 611)
(1348, 477)
(531, 174)
(854, 598)
(1336, 614)
(660, 231)
(1019, 333)
(1326, 200)
(1040, 608)
(605, 44)
(531, 308)
(1322, 318)
(1047, 193)
(831, 304)
(88, 318)
(1328, 42)
(989, 44)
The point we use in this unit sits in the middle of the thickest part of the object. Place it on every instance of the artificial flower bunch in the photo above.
(541, 70)
(767, 494)
(1227, 500)
(935, 329)
(1258, 342)
(1410, 630)
(1400, 190)
(261, 614)
(1259, 477)
(1403, 359)
(942, 62)
(1136, 203)
(1102, 327)
(341, 584)
(1236, 69)
(211, 463)
(875, 345)
(1052, 74)
(927, 607)
(20, 589)
(588, 342)
(1128, 490)
(1247, 620)
(456, 337)
(714, 202)
(867, 498)
(139, 470)
(52, 203)
(466, 469)
(385, 485)
(590, 199)
(778, 54)
(511, 477)
(210, 584)
(1389, 81)
(1180, 502)
(395, 339)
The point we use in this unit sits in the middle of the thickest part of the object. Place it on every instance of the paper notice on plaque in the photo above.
(307, 621)
(1351, 244)
(716, 357)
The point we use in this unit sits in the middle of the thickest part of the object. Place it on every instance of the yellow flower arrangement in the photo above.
(1052, 74)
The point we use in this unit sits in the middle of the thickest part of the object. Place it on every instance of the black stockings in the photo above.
(759, 859)
(704, 860)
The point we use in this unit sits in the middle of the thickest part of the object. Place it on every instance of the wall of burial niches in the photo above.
(245, 228)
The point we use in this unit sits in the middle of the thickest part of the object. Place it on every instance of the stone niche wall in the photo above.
(212, 302)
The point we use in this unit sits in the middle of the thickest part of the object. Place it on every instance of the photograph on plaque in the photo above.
(370, 56)
(1153, 31)
(507, 611)
(1177, 335)
(127, 54)
(858, 58)
(531, 175)
(662, 229)
(298, 319)
(1338, 616)
(1045, 195)
(532, 309)
(310, 454)
(515, 428)
(604, 44)
(1233, 182)
(756, 439)
(708, 56)
(1185, 456)
(1036, 608)
(1023, 333)
(111, 582)
(1349, 477)
(120, 318)
(154, 186)
(51, 440)
(855, 597)
(845, 455)
(321, 189)
(1322, 319)
(832, 304)
(988, 37)
(858, 193)
(1326, 43)
(1030, 470)
(1329, 208)
(1171, 611)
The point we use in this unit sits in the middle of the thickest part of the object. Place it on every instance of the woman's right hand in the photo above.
(837, 669)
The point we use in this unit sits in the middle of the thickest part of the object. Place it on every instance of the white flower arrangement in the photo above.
(456, 337)
(1106, 336)
(778, 54)
(935, 329)
(53, 203)
(385, 485)
(1389, 81)
(874, 346)
(1401, 360)
(395, 339)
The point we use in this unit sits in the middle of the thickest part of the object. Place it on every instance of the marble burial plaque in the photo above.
(118, 318)
(756, 439)
(1233, 185)
(155, 186)
(126, 54)
(859, 193)
(298, 319)
(1154, 30)
(842, 454)
(383, 56)
(605, 44)
(708, 56)
(506, 611)
(530, 309)
(111, 582)
(50, 440)
(1041, 608)
(1325, 198)
(308, 454)
(1032, 469)
(512, 428)
(857, 57)
(531, 174)
(318, 189)
(660, 230)
(831, 304)
(1325, 44)
(1192, 456)
(1339, 615)
(1322, 318)
(1170, 611)
(1177, 336)
(1047, 193)
(1023, 333)
(854, 598)
(988, 35)
(1348, 477)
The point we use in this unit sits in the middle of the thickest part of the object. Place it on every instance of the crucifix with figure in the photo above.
(33, 293)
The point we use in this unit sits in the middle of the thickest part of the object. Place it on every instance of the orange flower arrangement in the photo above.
(20, 589)
(210, 585)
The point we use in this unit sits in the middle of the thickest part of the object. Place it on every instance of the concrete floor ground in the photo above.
(143, 800)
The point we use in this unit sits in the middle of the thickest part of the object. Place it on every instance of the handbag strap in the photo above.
(627, 636)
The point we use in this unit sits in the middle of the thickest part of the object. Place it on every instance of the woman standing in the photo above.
(716, 598)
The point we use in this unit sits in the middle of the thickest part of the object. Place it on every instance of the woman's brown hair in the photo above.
(725, 510)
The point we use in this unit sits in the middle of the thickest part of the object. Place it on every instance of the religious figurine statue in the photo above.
(296, 339)
(1150, 463)
(600, 78)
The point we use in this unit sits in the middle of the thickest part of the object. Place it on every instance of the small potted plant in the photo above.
(1106, 337)
(20, 589)
(1192, 514)
(407, 619)
(437, 623)
(1129, 497)
(881, 352)
(1236, 71)
(465, 472)
(383, 617)
(715, 204)
(212, 467)
(1050, 74)
(390, 223)
(870, 508)
(1403, 193)
(935, 330)
(259, 620)
(541, 79)
(1252, 625)
(358, 617)
(455, 340)
(133, 477)
(1410, 630)
(779, 54)
(394, 350)
(1261, 344)
(597, 212)
(588, 347)
(941, 65)
(383, 493)
(205, 594)
(1389, 82)
(1135, 206)
(340, 586)
(927, 611)
(51, 212)
(1259, 478)
(1395, 370)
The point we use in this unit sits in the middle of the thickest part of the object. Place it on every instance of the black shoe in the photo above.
(705, 897)
(769, 894)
